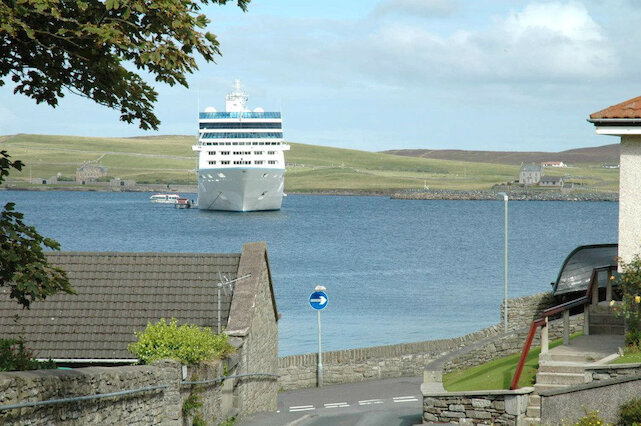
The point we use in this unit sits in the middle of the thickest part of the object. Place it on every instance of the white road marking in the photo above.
(301, 408)
(404, 399)
(337, 405)
(370, 401)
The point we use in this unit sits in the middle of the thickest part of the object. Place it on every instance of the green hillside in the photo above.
(169, 159)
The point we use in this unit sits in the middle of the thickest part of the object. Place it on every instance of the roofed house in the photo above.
(89, 172)
(530, 174)
(624, 120)
(556, 181)
(119, 293)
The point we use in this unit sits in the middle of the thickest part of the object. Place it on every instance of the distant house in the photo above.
(89, 172)
(551, 181)
(553, 164)
(610, 166)
(530, 174)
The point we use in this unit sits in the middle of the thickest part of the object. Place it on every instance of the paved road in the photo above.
(381, 402)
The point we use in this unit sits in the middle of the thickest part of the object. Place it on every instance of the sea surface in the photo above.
(395, 270)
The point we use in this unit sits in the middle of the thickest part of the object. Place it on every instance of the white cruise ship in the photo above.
(241, 165)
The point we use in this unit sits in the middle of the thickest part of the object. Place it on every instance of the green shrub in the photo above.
(591, 418)
(186, 343)
(630, 412)
(15, 356)
(630, 283)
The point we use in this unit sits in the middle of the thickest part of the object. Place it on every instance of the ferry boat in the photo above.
(241, 165)
(164, 198)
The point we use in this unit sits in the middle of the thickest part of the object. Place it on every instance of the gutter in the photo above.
(615, 121)
(89, 360)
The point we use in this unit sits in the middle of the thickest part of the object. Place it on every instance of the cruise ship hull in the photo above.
(240, 189)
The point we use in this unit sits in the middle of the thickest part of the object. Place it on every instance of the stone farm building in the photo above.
(555, 181)
(119, 293)
(530, 174)
(89, 172)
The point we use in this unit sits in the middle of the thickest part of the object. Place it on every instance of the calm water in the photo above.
(395, 270)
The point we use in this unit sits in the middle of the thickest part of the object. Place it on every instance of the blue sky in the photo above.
(390, 74)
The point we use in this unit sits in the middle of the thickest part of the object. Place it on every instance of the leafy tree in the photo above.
(23, 265)
(90, 47)
(93, 48)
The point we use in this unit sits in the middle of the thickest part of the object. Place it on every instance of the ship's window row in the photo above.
(248, 114)
(244, 162)
(240, 143)
(241, 125)
(242, 152)
(243, 135)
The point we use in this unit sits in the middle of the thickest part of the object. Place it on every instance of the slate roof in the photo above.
(625, 110)
(531, 167)
(118, 293)
(550, 178)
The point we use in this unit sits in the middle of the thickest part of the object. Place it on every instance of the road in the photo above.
(381, 402)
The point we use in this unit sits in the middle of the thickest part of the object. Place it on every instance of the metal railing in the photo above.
(591, 297)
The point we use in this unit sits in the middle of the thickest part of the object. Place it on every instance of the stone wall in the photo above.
(612, 371)
(476, 407)
(253, 323)
(357, 365)
(604, 395)
(521, 311)
(152, 407)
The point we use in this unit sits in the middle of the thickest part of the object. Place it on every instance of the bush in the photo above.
(186, 343)
(630, 284)
(15, 356)
(630, 412)
(591, 418)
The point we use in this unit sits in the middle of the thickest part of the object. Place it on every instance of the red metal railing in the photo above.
(543, 321)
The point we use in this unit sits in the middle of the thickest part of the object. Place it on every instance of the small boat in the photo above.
(183, 203)
(164, 198)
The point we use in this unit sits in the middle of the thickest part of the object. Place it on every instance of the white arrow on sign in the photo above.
(321, 300)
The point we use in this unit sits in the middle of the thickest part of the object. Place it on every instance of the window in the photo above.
(271, 152)
(211, 152)
(224, 152)
(224, 162)
(212, 162)
(258, 152)
(272, 162)
(258, 162)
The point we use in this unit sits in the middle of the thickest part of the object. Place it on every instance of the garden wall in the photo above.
(476, 407)
(161, 402)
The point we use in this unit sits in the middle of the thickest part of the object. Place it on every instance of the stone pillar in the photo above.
(630, 197)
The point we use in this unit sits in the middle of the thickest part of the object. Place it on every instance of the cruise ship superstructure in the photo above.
(241, 165)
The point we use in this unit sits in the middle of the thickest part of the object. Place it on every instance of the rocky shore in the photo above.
(537, 195)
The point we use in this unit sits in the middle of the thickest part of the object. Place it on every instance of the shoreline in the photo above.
(514, 195)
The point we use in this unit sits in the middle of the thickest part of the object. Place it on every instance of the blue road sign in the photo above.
(318, 300)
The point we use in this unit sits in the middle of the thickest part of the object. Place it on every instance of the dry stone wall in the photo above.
(479, 407)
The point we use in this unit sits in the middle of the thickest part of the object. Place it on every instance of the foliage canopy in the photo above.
(90, 47)
(186, 343)
(23, 265)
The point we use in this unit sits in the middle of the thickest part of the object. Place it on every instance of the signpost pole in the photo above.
(320, 352)
(318, 301)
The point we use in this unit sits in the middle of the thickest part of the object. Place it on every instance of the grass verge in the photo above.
(497, 374)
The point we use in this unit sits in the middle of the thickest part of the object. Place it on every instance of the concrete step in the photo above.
(605, 319)
(534, 400)
(607, 329)
(561, 367)
(533, 411)
(560, 378)
(531, 421)
(538, 388)
(565, 357)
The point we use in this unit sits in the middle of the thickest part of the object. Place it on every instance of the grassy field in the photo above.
(169, 159)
